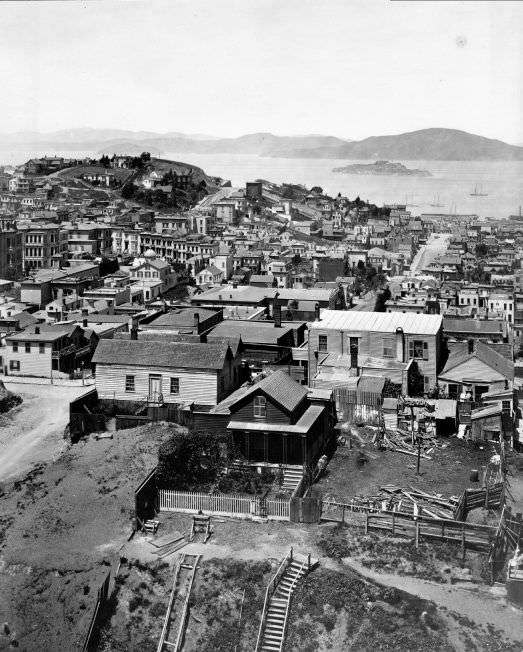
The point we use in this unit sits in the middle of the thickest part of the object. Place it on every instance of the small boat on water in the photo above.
(410, 202)
(478, 192)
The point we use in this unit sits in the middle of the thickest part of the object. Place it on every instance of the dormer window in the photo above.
(260, 407)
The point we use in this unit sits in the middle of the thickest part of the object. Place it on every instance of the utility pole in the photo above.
(419, 455)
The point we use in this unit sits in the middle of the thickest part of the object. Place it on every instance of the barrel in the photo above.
(474, 475)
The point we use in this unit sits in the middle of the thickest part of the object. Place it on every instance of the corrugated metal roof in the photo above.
(381, 322)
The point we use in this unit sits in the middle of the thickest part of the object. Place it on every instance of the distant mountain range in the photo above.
(425, 144)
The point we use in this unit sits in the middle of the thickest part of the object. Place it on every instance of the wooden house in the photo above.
(47, 351)
(163, 372)
(378, 343)
(274, 421)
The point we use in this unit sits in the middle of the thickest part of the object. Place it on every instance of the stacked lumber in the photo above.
(169, 544)
(415, 501)
(400, 441)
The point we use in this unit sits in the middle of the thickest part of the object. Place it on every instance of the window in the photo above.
(15, 347)
(28, 347)
(260, 406)
(419, 349)
(322, 343)
(175, 385)
(388, 345)
(41, 347)
(129, 383)
(14, 365)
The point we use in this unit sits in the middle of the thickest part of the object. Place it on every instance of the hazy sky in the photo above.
(350, 68)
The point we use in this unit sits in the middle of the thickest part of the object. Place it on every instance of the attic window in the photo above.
(260, 406)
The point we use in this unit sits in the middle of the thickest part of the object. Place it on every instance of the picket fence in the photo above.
(239, 505)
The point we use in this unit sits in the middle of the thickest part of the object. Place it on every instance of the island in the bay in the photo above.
(386, 168)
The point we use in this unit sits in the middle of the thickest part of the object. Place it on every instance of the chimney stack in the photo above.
(471, 346)
(37, 330)
(316, 312)
(197, 321)
(400, 345)
(276, 311)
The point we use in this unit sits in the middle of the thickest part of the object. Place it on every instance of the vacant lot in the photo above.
(448, 472)
(59, 527)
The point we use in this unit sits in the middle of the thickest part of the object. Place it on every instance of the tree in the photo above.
(188, 460)
(317, 190)
(481, 250)
(128, 191)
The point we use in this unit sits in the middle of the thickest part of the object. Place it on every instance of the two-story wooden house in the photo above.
(378, 343)
(47, 351)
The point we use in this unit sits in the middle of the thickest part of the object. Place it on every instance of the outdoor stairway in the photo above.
(292, 476)
(273, 625)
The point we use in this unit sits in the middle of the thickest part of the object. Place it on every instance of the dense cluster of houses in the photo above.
(266, 311)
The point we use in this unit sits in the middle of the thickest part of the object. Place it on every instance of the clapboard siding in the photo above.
(371, 345)
(31, 364)
(274, 413)
(200, 387)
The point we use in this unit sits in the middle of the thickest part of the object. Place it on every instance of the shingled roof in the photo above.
(486, 354)
(153, 353)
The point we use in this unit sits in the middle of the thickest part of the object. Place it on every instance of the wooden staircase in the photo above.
(273, 625)
(292, 476)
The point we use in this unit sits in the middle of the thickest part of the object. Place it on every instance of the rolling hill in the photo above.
(425, 144)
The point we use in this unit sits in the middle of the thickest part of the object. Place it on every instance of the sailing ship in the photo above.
(436, 203)
(478, 192)
(410, 202)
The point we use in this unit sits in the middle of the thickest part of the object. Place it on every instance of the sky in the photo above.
(350, 68)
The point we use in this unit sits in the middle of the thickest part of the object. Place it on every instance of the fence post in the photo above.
(416, 542)
(463, 541)
(366, 522)
(393, 524)
(486, 496)
(343, 515)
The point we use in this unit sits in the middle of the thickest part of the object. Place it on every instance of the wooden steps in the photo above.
(271, 636)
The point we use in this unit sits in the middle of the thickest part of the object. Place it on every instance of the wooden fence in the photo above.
(91, 640)
(239, 505)
(489, 497)
(82, 419)
(470, 536)
(509, 536)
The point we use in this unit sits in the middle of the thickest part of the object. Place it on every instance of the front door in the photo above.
(155, 388)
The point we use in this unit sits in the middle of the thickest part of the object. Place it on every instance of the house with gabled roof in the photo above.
(274, 421)
(164, 372)
(475, 371)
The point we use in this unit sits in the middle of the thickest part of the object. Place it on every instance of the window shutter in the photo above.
(425, 350)
(411, 349)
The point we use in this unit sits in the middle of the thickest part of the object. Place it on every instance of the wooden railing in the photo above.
(291, 589)
(470, 536)
(271, 588)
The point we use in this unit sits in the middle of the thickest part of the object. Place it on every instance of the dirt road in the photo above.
(34, 431)
(436, 246)
(480, 604)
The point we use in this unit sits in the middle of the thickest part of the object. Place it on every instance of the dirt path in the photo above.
(481, 604)
(34, 431)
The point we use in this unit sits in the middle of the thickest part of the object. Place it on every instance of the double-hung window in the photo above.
(260, 406)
